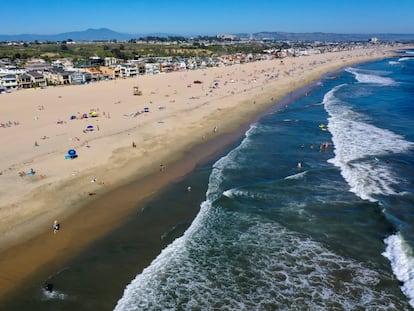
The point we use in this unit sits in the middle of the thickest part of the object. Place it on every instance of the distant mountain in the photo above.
(105, 34)
(92, 35)
(322, 36)
(101, 34)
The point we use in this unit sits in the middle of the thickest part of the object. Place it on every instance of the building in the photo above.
(24, 81)
(95, 73)
(152, 68)
(57, 76)
(81, 77)
(110, 61)
(9, 81)
(110, 72)
(37, 79)
(36, 64)
(128, 70)
(226, 37)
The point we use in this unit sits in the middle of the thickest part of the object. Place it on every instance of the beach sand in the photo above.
(79, 192)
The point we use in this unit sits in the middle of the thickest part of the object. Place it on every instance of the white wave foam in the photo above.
(403, 59)
(357, 143)
(391, 62)
(373, 78)
(402, 263)
(228, 162)
(297, 176)
(47, 295)
(262, 267)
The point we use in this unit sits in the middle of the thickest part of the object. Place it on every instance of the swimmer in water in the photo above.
(56, 227)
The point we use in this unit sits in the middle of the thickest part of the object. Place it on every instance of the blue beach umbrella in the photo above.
(72, 152)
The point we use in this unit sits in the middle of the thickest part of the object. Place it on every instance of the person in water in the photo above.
(48, 287)
(56, 227)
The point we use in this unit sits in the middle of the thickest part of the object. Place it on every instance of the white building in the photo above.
(128, 70)
(9, 81)
(152, 68)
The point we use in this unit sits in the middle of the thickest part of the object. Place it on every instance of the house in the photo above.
(128, 70)
(36, 64)
(58, 76)
(166, 67)
(37, 79)
(81, 77)
(110, 72)
(95, 61)
(141, 68)
(152, 68)
(181, 66)
(9, 81)
(95, 73)
(24, 81)
(110, 61)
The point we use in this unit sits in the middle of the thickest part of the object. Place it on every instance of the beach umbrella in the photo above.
(90, 127)
(71, 152)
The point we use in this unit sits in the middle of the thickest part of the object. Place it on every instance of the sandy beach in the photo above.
(133, 141)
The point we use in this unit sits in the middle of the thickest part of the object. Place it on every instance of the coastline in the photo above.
(86, 218)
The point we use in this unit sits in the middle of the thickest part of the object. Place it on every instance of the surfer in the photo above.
(48, 287)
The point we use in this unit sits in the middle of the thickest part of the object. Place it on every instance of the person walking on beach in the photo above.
(56, 227)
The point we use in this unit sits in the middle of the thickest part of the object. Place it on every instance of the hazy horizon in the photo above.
(185, 17)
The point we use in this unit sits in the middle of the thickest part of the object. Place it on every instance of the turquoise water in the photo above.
(333, 233)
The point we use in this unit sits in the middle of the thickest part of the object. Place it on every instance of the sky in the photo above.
(204, 17)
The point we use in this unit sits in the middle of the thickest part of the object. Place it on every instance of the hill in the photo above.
(105, 34)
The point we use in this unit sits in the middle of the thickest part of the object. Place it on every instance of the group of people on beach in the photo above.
(9, 124)
(23, 173)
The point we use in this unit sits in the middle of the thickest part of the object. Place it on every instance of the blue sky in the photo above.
(203, 17)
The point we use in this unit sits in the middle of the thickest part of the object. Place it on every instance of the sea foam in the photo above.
(402, 263)
(357, 146)
(370, 77)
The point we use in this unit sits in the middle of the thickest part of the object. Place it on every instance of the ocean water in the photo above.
(333, 233)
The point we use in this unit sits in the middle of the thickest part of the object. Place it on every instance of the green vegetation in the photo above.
(150, 47)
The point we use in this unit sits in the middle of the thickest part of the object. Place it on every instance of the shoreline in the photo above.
(81, 225)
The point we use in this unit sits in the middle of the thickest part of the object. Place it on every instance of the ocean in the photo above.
(313, 210)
